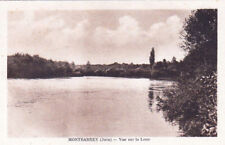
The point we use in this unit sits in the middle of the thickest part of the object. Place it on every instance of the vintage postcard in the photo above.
(116, 72)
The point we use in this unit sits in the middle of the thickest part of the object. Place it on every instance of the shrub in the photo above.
(192, 104)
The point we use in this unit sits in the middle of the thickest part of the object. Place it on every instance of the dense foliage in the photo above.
(26, 66)
(200, 39)
(192, 103)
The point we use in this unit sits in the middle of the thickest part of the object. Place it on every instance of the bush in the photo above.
(192, 104)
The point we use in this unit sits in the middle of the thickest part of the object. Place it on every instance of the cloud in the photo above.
(130, 34)
(79, 31)
(52, 36)
(127, 33)
(48, 37)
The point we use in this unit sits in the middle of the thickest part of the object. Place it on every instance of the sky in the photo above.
(98, 36)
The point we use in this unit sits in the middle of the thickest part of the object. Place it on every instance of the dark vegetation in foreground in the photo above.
(192, 102)
(26, 66)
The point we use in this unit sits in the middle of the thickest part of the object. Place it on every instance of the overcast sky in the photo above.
(100, 36)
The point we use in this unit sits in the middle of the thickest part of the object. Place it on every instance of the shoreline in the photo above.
(68, 77)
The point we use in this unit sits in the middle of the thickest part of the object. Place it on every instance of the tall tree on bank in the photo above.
(152, 57)
(192, 103)
(200, 39)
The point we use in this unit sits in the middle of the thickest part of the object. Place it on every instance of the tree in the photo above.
(27, 66)
(200, 38)
(164, 63)
(88, 63)
(88, 70)
(192, 102)
(152, 57)
(174, 60)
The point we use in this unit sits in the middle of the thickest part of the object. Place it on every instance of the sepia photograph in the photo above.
(112, 73)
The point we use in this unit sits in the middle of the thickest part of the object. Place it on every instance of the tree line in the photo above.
(27, 66)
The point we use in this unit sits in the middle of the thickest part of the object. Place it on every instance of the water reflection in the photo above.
(150, 98)
(155, 94)
(155, 99)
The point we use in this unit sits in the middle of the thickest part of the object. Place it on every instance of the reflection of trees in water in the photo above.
(156, 96)
(151, 97)
(153, 94)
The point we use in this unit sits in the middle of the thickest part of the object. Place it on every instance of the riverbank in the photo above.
(158, 79)
(27, 66)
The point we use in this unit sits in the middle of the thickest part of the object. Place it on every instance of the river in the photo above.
(86, 106)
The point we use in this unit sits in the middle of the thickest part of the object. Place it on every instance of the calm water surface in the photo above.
(86, 106)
